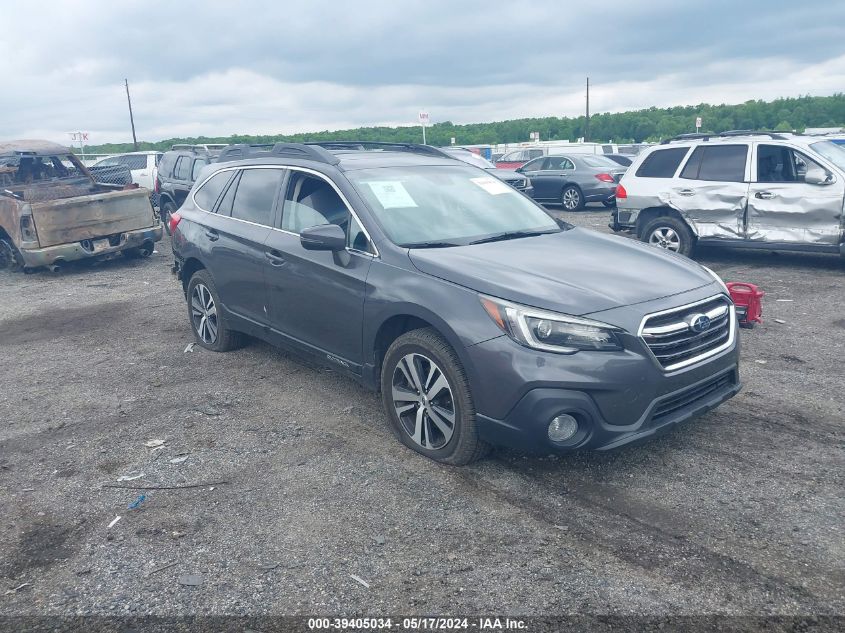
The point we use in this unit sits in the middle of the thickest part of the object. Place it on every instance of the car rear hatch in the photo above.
(68, 220)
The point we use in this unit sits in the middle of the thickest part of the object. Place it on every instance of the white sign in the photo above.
(698, 121)
(391, 194)
(425, 118)
(453, 140)
(492, 185)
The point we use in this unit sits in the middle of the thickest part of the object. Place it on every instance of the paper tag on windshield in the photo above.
(491, 185)
(391, 194)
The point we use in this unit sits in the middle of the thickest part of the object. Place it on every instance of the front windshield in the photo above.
(833, 152)
(599, 161)
(446, 205)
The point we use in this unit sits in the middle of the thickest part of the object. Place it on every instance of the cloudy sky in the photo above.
(220, 68)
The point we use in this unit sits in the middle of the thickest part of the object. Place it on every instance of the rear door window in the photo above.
(662, 163)
(256, 194)
(723, 163)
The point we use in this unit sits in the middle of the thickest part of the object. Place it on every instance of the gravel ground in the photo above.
(304, 487)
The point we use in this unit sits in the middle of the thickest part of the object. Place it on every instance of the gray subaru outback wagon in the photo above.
(479, 317)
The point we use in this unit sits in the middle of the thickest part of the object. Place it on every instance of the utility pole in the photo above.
(587, 124)
(131, 118)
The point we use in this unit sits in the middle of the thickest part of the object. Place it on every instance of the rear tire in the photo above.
(139, 252)
(206, 318)
(166, 210)
(10, 259)
(427, 399)
(669, 233)
(571, 198)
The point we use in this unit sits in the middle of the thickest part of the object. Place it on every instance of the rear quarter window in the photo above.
(662, 163)
(207, 195)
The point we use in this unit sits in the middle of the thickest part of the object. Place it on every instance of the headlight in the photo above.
(551, 331)
(719, 280)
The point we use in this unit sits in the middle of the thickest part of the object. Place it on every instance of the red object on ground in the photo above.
(748, 300)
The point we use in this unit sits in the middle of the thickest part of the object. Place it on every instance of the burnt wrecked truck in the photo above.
(52, 210)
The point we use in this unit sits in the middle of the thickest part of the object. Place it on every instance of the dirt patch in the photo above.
(53, 324)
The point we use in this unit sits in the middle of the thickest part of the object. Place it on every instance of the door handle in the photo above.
(275, 258)
(686, 192)
(212, 235)
(764, 195)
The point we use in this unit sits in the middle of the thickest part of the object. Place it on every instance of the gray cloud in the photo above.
(217, 68)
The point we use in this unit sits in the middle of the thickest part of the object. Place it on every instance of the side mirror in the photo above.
(817, 176)
(325, 237)
(520, 170)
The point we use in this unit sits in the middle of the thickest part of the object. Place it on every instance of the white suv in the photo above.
(741, 189)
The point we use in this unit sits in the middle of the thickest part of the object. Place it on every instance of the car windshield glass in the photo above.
(446, 205)
(29, 169)
(831, 151)
(599, 161)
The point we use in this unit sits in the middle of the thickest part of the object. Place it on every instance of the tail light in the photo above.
(604, 177)
(157, 185)
(27, 229)
(175, 219)
(621, 194)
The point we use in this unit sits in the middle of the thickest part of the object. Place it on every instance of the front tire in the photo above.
(207, 321)
(426, 395)
(669, 233)
(571, 198)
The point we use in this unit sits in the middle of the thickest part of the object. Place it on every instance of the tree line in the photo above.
(651, 124)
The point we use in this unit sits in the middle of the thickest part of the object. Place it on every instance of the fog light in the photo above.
(562, 428)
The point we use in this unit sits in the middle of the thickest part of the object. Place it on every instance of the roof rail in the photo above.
(243, 150)
(728, 134)
(289, 150)
(194, 148)
(374, 146)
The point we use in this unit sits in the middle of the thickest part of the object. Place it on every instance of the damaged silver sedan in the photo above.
(741, 189)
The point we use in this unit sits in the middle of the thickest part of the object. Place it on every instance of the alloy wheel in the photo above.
(571, 199)
(422, 399)
(665, 237)
(204, 314)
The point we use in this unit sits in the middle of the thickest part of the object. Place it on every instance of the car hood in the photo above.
(575, 272)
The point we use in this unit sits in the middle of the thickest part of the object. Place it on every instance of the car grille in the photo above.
(681, 402)
(519, 183)
(680, 337)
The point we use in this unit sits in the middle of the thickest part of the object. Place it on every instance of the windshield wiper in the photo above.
(430, 245)
(510, 235)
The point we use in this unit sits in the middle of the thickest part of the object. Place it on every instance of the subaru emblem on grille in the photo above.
(699, 323)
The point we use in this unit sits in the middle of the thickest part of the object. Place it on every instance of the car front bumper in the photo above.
(617, 398)
(36, 257)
